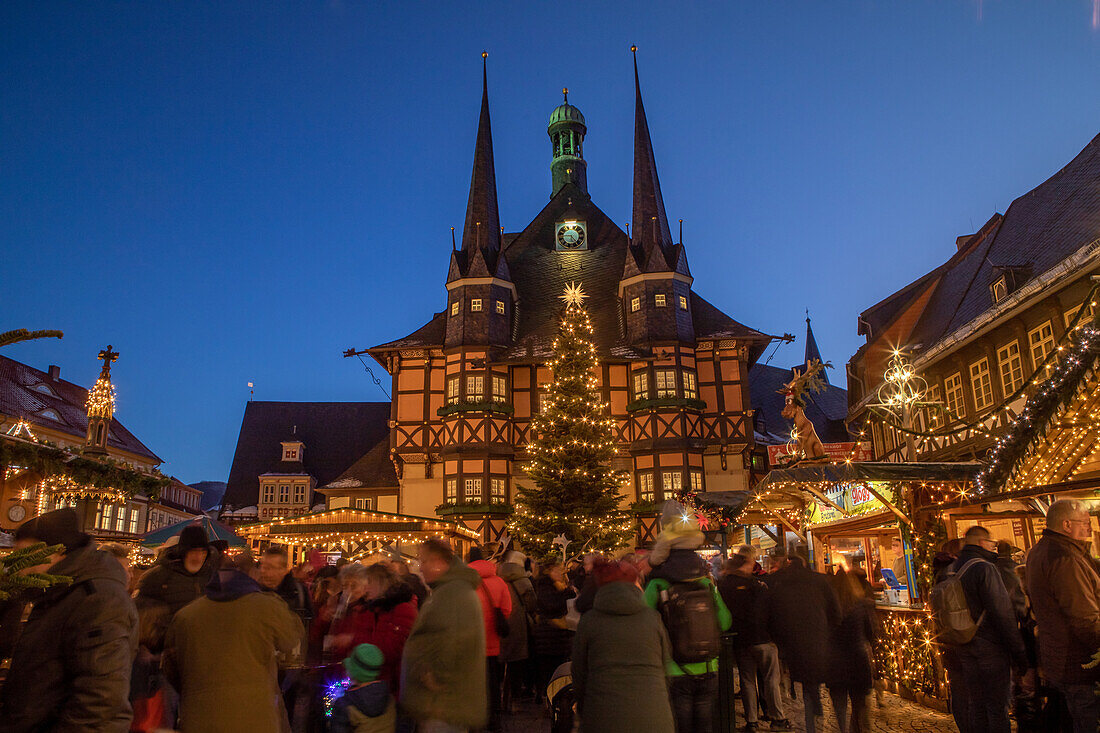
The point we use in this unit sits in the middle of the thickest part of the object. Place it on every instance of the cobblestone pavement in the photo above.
(892, 715)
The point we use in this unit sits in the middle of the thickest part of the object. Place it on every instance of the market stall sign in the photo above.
(837, 452)
(855, 498)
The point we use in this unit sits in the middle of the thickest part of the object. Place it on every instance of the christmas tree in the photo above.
(575, 498)
(13, 576)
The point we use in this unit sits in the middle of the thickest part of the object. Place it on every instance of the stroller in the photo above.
(560, 697)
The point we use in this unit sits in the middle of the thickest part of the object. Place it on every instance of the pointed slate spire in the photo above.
(649, 225)
(812, 352)
(482, 228)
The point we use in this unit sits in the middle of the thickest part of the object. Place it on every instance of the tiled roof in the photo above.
(826, 410)
(335, 435)
(373, 470)
(540, 274)
(1040, 229)
(28, 393)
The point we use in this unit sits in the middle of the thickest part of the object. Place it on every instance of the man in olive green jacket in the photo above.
(443, 665)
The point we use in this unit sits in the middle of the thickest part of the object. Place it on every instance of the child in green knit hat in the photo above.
(367, 706)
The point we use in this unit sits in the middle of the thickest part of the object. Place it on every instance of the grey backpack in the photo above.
(948, 601)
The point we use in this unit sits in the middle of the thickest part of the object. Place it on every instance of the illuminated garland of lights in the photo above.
(576, 492)
(908, 655)
(101, 399)
(1041, 411)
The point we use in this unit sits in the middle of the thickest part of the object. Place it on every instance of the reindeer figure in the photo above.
(809, 446)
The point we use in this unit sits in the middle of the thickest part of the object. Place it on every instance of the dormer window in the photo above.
(44, 389)
(659, 300)
(999, 289)
(475, 304)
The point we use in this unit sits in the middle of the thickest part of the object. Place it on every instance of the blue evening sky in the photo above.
(231, 192)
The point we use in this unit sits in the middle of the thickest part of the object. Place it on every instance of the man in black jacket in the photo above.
(70, 668)
(181, 574)
(981, 670)
(754, 650)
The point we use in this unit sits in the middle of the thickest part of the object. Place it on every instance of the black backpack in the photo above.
(691, 618)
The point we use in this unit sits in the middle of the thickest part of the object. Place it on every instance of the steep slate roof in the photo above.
(826, 409)
(26, 392)
(335, 435)
(1040, 229)
(373, 470)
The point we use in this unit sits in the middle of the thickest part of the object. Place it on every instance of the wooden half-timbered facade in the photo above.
(673, 367)
(987, 327)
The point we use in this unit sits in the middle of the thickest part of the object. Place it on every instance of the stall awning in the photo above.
(836, 473)
(859, 523)
(215, 531)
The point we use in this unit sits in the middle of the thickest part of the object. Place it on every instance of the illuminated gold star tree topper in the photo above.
(574, 295)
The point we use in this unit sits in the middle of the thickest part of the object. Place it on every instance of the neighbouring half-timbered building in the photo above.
(673, 368)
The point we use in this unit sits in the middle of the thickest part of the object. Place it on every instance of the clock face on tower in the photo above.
(571, 235)
(17, 513)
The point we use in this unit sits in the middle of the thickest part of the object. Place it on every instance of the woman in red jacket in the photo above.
(381, 611)
(496, 602)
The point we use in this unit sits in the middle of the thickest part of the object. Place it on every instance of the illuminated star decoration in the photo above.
(574, 296)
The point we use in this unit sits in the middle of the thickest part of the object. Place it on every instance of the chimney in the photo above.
(55, 372)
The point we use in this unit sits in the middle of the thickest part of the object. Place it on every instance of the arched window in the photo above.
(99, 434)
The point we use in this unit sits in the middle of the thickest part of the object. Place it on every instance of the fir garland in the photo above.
(13, 582)
(105, 475)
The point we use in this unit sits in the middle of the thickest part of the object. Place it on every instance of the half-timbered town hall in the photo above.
(673, 367)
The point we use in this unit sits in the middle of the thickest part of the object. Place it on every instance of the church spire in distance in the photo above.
(482, 227)
(649, 227)
(812, 352)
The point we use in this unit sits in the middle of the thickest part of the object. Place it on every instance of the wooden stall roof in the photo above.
(337, 525)
(854, 471)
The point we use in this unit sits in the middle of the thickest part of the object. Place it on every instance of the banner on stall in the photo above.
(855, 498)
(837, 452)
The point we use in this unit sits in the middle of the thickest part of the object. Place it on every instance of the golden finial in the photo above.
(484, 54)
(565, 92)
(633, 49)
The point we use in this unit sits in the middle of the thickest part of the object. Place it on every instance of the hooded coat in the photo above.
(385, 622)
(70, 668)
(220, 655)
(443, 667)
(1064, 588)
(513, 647)
(619, 654)
(800, 611)
(171, 584)
(494, 594)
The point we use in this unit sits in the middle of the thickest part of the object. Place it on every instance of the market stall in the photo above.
(354, 533)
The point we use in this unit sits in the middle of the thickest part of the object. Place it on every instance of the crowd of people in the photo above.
(205, 641)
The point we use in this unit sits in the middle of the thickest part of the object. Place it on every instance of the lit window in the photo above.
(120, 519)
(284, 493)
(645, 487)
(452, 390)
(472, 488)
(496, 485)
(1012, 370)
(269, 493)
(367, 503)
(133, 520)
(544, 402)
(454, 308)
(981, 384)
(696, 480)
(1072, 313)
(500, 388)
(641, 385)
(99, 515)
(934, 413)
(299, 493)
(475, 387)
(500, 307)
(666, 383)
(659, 300)
(671, 483)
(288, 455)
(953, 390)
(1041, 341)
(452, 491)
(475, 304)
(635, 304)
(691, 390)
(683, 303)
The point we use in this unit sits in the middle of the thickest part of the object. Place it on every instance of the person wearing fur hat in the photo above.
(679, 570)
(70, 667)
(182, 572)
(367, 706)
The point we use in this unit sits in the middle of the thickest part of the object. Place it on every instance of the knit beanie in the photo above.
(364, 664)
(193, 537)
